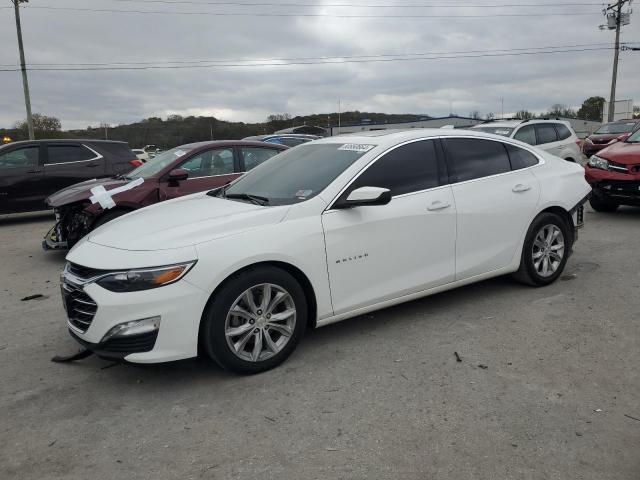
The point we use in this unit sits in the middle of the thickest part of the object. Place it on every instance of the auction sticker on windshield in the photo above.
(356, 147)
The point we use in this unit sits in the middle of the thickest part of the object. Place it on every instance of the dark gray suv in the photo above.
(30, 171)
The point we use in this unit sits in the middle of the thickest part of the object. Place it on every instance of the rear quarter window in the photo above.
(119, 150)
(520, 158)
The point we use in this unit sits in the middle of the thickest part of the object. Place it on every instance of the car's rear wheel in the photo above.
(545, 251)
(255, 321)
(602, 205)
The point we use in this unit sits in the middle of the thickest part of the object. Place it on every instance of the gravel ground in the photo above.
(547, 387)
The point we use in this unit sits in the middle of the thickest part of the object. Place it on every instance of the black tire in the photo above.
(602, 205)
(528, 273)
(214, 320)
(107, 217)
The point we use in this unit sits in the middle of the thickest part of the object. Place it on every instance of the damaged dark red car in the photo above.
(183, 170)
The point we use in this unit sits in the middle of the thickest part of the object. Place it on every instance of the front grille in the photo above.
(621, 188)
(80, 307)
(133, 344)
(84, 272)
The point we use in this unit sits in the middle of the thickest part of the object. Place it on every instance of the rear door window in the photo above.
(20, 158)
(526, 134)
(476, 158)
(563, 131)
(546, 133)
(254, 156)
(68, 153)
(408, 168)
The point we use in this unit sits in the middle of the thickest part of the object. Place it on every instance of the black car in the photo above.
(30, 171)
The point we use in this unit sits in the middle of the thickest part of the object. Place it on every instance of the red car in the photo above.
(183, 170)
(614, 175)
(608, 133)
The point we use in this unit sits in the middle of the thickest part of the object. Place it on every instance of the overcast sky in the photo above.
(82, 98)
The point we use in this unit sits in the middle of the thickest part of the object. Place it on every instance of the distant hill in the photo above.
(178, 130)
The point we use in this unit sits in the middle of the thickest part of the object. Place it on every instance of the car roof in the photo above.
(230, 143)
(62, 140)
(394, 137)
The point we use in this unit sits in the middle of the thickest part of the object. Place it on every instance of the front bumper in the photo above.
(621, 188)
(179, 305)
(119, 348)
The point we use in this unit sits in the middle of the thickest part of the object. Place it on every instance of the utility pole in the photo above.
(617, 7)
(25, 82)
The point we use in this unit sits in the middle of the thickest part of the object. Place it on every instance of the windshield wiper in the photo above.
(257, 199)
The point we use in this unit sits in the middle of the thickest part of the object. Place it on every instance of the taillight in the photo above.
(136, 162)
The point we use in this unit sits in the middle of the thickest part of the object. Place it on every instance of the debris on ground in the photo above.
(269, 418)
(578, 434)
(570, 276)
(632, 418)
(598, 410)
(458, 359)
(71, 358)
(32, 297)
(51, 444)
(483, 366)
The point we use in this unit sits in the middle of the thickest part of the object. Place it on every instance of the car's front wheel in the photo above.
(255, 321)
(545, 251)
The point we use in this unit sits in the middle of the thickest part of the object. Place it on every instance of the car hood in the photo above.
(184, 222)
(622, 152)
(82, 191)
(604, 137)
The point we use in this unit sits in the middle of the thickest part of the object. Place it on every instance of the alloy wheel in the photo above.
(260, 322)
(548, 250)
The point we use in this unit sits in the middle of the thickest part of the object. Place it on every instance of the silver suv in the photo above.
(553, 136)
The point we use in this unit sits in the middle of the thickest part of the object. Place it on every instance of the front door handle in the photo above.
(520, 188)
(34, 171)
(92, 165)
(438, 205)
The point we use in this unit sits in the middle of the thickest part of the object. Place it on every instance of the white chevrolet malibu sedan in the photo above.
(329, 230)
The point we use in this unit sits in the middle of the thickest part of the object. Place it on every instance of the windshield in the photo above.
(615, 128)
(298, 174)
(635, 138)
(504, 131)
(158, 163)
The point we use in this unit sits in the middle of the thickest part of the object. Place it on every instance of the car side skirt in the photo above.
(414, 296)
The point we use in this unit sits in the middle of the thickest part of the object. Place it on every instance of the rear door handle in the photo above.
(520, 188)
(438, 205)
(92, 165)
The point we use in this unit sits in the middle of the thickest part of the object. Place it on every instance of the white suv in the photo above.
(553, 136)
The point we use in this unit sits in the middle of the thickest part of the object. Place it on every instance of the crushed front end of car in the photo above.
(72, 223)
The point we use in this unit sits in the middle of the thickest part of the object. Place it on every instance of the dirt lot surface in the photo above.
(548, 386)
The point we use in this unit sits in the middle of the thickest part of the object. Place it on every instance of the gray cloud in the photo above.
(250, 94)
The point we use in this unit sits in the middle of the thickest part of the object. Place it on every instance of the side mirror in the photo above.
(178, 175)
(365, 196)
(623, 137)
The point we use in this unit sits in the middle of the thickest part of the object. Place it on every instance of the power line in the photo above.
(314, 15)
(329, 62)
(292, 59)
(360, 5)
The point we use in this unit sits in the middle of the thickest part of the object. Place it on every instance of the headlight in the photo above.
(144, 278)
(597, 162)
